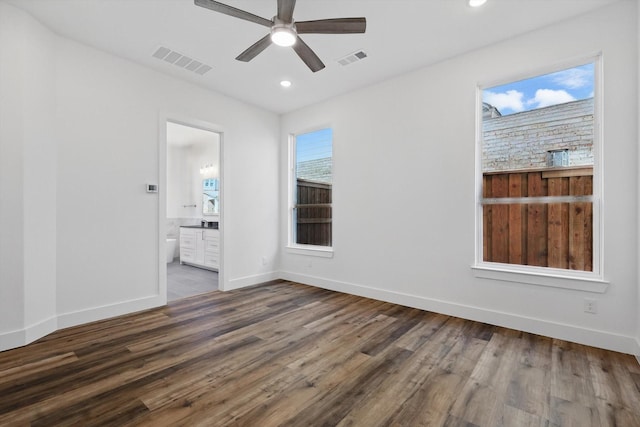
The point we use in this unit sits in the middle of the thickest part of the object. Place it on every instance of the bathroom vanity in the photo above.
(200, 246)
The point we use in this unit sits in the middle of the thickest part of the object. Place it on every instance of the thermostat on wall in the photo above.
(152, 188)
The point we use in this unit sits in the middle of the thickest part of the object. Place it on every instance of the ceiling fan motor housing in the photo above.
(283, 33)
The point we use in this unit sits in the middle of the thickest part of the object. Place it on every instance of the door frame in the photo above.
(162, 193)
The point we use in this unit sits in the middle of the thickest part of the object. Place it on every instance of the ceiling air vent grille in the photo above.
(352, 57)
(180, 60)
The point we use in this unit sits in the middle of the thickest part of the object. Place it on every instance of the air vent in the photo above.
(352, 57)
(180, 60)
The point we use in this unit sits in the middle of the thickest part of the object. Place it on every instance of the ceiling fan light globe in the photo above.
(476, 3)
(283, 37)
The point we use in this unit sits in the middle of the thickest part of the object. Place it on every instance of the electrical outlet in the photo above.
(590, 306)
(264, 260)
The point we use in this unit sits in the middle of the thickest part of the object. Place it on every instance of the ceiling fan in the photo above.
(284, 30)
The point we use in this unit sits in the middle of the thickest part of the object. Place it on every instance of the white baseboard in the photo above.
(591, 337)
(40, 329)
(602, 339)
(93, 314)
(22, 337)
(13, 339)
(19, 338)
(243, 282)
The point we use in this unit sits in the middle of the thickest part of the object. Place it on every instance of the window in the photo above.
(538, 184)
(311, 187)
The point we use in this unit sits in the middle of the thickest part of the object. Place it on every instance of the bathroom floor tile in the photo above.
(185, 281)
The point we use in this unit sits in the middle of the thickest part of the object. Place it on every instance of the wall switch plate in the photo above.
(590, 305)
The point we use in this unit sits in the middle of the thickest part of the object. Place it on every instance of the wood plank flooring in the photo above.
(285, 354)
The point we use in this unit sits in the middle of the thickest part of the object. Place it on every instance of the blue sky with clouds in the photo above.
(542, 91)
(314, 145)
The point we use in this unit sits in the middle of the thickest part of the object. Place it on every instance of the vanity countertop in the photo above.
(214, 227)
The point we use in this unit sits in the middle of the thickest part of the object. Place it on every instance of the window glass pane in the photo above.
(537, 170)
(312, 213)
(314, 156)
(545, 121)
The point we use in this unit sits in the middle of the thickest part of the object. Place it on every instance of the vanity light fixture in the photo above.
(476, 3)
(206, 169)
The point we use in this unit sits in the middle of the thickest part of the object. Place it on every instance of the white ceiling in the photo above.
(402, 35)
(184, 136)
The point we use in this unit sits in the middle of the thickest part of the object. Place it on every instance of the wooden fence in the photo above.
(313, 213)
(556, 235)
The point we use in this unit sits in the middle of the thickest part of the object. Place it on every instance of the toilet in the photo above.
(171, 250)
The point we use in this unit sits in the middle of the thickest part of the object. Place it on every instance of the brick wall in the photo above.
(521, 140)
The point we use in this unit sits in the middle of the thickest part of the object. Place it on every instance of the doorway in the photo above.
(191, 209)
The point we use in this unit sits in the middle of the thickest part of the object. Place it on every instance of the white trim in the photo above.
(162, 206)
(311, 250)
(598, 167)
(567, 279)
(549, 277)
(574, 61)
(40, 329)
(291, 158)
(22, 337)
(256, 279)
(591, 337)
(181, 119)
(293, 247)
(13, 339)
(93, 314)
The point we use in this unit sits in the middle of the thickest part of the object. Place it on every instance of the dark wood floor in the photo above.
(288, 354)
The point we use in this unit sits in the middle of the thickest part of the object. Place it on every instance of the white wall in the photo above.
(108, 110)
(178, 183)
(404, 187)
(11, 182)
(405, 135)
(100, 117)
(638, 208)
(40, 180)
(28, 208)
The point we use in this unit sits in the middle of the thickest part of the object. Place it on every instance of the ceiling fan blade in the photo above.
(255, 49)
(308, 56)
(332, 26)
(232, 11)
(285, 10)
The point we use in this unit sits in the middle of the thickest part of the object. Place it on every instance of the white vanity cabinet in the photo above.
(200, 247)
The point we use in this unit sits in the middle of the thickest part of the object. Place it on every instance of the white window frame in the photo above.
(593, 281)
(292, 246)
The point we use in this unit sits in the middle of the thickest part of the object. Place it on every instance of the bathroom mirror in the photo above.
(210, 197)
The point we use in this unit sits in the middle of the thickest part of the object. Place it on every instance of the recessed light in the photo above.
(476, 3)
(285, 83)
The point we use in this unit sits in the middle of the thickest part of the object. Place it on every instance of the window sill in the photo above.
(554, 278)
(310, 250)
